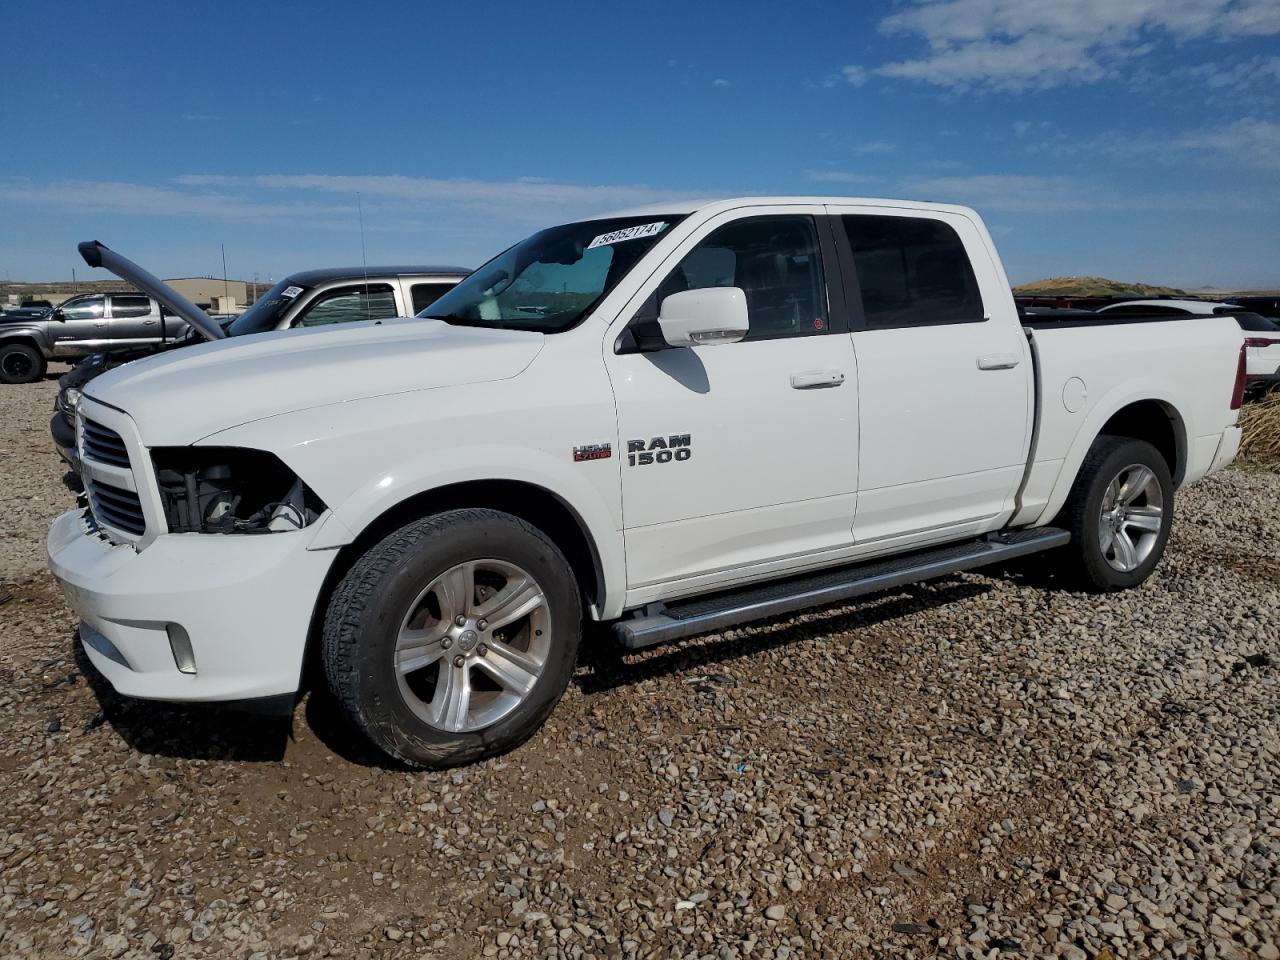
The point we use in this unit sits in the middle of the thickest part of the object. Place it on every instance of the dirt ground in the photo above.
(987, 765)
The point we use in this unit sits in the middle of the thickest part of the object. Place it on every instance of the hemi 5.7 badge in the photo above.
(592, 451)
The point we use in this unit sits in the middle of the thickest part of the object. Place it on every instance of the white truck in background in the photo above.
(671, 420)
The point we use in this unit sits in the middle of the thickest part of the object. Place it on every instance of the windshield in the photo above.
(550, 281)
(266, 310)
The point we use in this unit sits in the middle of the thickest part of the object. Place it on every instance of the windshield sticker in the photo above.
(290, 292)
(627, 233)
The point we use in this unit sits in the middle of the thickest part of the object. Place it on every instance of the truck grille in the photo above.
(103, 444)
(116, 507)
(108, 476)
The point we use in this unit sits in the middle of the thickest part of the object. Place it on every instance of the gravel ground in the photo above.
(983, 766)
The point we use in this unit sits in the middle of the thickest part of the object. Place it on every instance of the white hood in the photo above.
(180, 397)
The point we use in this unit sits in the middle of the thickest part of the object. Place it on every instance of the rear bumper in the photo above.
(243, 603)
(1228, 447)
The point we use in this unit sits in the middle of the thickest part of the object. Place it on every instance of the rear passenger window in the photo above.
(776, 263)
(345, 304)
(129, 306)
(425, 294)
(912, 272)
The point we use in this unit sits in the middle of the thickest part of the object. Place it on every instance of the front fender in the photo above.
(21, 331)
(366, 457)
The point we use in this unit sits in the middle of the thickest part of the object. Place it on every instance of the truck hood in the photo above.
(184, 396)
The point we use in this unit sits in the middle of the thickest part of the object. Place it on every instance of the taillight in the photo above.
(1260, 342)
(1237, 394)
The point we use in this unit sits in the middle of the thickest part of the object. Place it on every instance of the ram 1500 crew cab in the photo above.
(669, 420)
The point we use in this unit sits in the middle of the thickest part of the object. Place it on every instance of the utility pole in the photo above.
(226, 289)
(74, 288)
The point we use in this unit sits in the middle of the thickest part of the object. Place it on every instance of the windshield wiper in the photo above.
(454, 320)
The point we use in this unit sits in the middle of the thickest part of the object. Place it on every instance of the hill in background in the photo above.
(1093, 287)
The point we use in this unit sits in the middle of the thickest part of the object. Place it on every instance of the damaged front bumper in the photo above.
(192, 617)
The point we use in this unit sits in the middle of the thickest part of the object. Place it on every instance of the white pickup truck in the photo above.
(671, 420)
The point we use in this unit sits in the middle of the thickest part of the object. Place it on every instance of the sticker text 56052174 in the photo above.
(626, 233)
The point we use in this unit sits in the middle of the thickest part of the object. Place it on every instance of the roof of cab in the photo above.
(685, 207)
(309, 278)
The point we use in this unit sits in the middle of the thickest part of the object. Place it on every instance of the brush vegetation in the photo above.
(1093, 287)
(1261, 425)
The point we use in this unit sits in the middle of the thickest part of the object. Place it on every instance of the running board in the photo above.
(658, 623)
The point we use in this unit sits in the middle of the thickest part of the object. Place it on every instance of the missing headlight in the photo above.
(231, 490)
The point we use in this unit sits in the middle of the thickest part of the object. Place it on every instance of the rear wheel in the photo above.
(20, 363)
(454, 637)
(1119, 513)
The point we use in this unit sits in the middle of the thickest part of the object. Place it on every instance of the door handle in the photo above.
(998, 361)
(148, 323)
(817, 379)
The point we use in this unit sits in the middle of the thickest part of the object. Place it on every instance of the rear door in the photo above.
(738, 459)
(134, 320)
(944, 378)
(424, 292)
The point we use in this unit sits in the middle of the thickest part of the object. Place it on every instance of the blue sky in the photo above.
(1138, 140)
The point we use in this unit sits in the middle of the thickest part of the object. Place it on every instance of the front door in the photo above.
(739, 458)
(944, 375)
(80, 327)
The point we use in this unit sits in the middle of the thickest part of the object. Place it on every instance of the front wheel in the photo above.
(20, 363)
(1119, 512)
(454, 637)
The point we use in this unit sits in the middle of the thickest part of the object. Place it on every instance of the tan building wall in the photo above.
(204, 289)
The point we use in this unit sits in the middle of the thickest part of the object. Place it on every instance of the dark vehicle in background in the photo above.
(84, 325)
(1267, 306)
(312, 298)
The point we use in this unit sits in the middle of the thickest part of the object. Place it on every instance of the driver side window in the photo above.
(88, 308)
(374, 301)
(776, 263)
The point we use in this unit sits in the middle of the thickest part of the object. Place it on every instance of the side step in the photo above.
(659, 623)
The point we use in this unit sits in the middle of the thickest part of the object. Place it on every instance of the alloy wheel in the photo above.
(472, 645)
(1131, 517)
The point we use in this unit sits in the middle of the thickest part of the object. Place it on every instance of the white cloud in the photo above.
(1034, 44)
(115, 197)
(1010, 193)
(873, 147)
(528, 199)
(839, 176)
(720, 82)
(320, 198)
(854, 74)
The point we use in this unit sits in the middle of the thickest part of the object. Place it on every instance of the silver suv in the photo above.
(312, 298)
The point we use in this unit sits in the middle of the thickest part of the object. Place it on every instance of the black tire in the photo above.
(20, 363)
(1084, 560)
(370, 604)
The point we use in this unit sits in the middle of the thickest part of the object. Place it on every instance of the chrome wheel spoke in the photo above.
(452, 701)
(513, 669)
(1126, 552)
(1146, 519)
(1137, 482)
(456, 591)
(517, 599)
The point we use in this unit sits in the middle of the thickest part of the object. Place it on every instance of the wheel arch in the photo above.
(535, 504)
(1151, 417)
